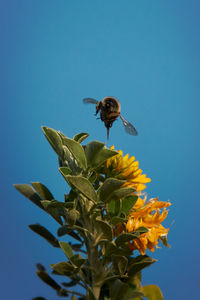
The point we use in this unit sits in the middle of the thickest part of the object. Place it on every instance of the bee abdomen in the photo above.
(113, 116)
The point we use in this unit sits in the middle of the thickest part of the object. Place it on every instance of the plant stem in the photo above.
(93, 255)
(96, 269)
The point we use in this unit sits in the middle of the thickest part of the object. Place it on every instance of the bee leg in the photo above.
(97, 117)
(98, 107)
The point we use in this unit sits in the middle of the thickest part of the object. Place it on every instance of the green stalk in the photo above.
(96, 269)
(92, 250)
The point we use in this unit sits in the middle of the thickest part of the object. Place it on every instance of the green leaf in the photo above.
(30, 193)
(40, 267)
(71, 197)
(120, 263)
(128, 203)
(97, 154)
(125, 237)
(131, 294)
(65, 171)
(116, 220)
(152, 292)
(71, 282)
(109, 186)
(83, 185)
(77, 260)
(72, 215)
(139, 263)
(48, 280)
(42, 190)
(92, 150)
(164, 241)
(118, 290)
(69, 161)
(142, 230)
(114, 207)
(80, 137)
(122, 192)
(123, 291)
(108, 248)
(62, 293)
(47, 235)
(125, 251)
(67, 249)
(54, 139)
(76, 150)
(55, 209)
(52, 204)
(63, 268)
(82, 231)
(104, 229)
(65, 229)
(76, 247)
(93, 177)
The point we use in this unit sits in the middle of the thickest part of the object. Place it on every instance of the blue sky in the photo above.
(145, 53)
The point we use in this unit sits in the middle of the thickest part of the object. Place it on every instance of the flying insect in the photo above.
(110, 110)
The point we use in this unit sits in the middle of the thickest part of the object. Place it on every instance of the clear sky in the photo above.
(145, 53)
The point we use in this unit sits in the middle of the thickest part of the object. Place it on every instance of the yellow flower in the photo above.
(147, 215)
(126, 168)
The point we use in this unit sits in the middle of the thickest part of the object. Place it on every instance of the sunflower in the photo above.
(150, 215)
(126, 168)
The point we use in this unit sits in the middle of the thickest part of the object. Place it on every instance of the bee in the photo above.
(110, 110)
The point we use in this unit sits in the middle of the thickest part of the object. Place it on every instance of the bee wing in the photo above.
(130, 129)
(90, 100)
